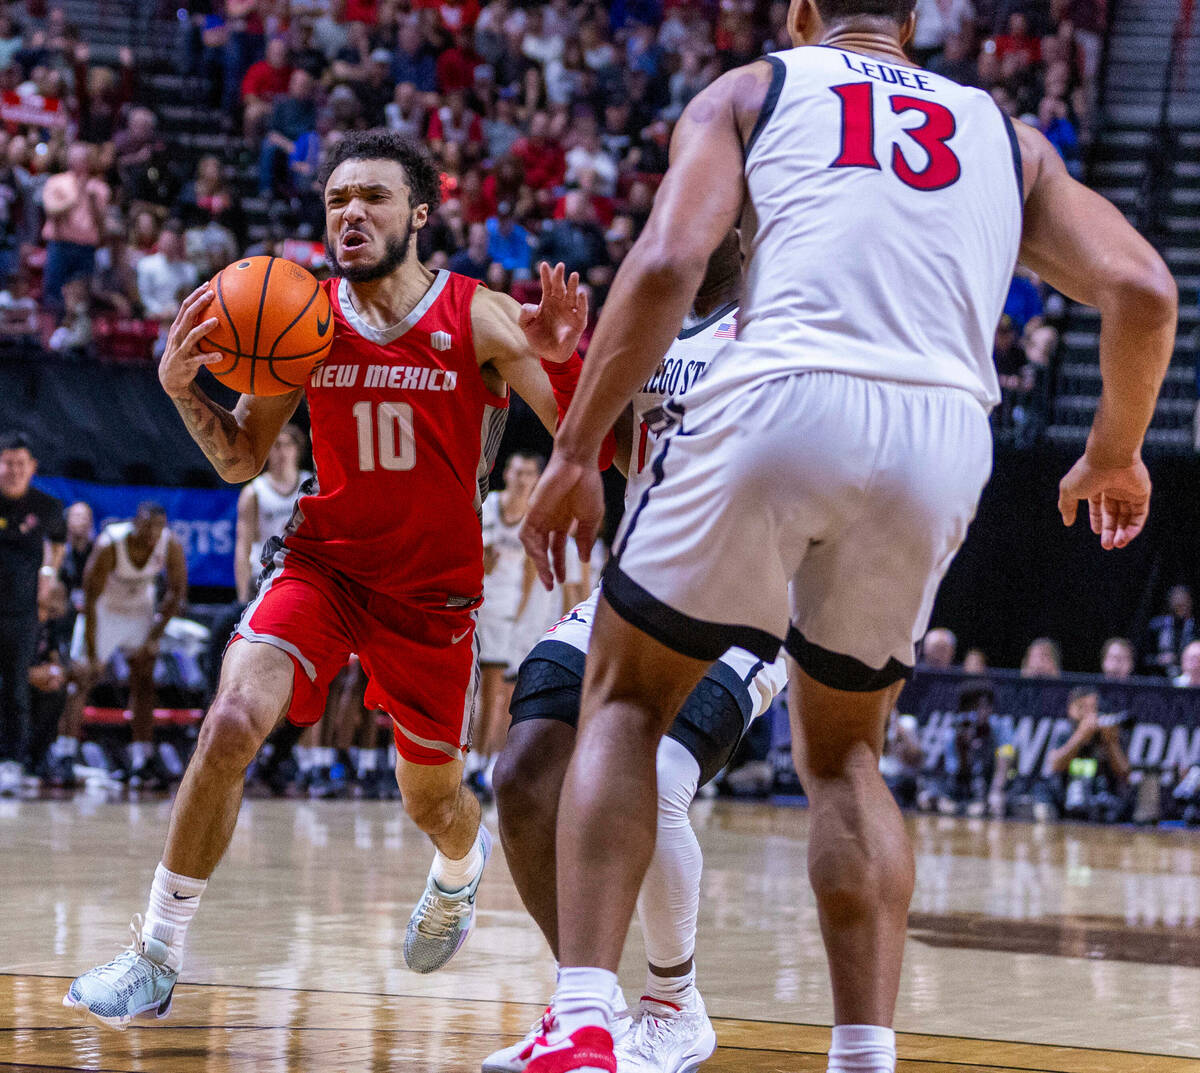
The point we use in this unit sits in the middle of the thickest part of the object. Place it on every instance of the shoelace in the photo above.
(441, 915)
(651, 1029)
(129, 961)
(538, 1030)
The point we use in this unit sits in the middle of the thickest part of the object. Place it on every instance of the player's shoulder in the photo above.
(1039, 159)
(113, 533)
(486, 302)
(495, 318)
(711, 331)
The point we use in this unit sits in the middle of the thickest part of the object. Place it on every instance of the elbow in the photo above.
(238, 472)
(1147, 294)
(663, 265)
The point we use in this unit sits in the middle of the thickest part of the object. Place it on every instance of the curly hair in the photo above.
(382, 144)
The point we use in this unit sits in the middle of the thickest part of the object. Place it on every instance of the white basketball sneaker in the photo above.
(137, 985)
(667, 1038)
(515, 1058)
(443, 920)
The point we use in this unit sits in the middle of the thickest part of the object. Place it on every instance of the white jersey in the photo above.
(683, 364)
(502, 586)
(882, 227)
(130, 590)
(274, 511)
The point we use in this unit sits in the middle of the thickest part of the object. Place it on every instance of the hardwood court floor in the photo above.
(1060, 949)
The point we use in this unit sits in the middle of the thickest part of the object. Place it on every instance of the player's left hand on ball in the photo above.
(553, 327)
(568, 500)
(183, 358)
(1118, 499)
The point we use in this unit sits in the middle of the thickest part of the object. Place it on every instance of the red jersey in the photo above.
(404, 435)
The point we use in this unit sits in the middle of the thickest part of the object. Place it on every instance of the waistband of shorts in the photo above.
(949, 391)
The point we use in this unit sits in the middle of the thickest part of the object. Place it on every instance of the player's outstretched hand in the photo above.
(568, 498)
(182, 358)
(553, 327)
(1118, 499)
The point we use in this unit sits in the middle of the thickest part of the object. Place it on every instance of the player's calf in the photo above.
(528, 781)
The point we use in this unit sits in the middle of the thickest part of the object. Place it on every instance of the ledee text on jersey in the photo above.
(893, 76)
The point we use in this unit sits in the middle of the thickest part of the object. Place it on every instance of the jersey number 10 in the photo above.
(385, 436)
(942, 168)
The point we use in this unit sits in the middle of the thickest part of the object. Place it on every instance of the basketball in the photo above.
(275, 325)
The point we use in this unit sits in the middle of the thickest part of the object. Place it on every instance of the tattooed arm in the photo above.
(236, 442)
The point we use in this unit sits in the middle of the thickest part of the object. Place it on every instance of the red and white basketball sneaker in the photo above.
(586, 1050)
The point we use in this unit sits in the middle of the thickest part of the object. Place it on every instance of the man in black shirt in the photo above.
(32, 531)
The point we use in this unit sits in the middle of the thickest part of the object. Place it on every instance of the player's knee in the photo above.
(678, 776)
(522, 784)
(230, 736)
(432, 811)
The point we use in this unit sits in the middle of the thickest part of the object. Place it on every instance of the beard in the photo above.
(395, 250)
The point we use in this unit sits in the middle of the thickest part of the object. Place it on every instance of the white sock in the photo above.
(673, 990)
(173, 902)
(584, 997)
(325, 756)
(139, 753)
(354, 753)
(65, 746)
(862, 1049)
(473, 762)
(367, 759)
(304, 758)
(453, 875)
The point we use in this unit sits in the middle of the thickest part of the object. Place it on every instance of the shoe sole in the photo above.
(695, 1060)
(119, 1024)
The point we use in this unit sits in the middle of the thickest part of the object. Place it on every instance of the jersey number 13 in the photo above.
(941, 169)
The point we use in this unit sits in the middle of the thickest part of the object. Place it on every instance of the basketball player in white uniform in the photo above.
(265, 506)
(837, 450)
(669, 1031)
(121, 612)
(504, 564)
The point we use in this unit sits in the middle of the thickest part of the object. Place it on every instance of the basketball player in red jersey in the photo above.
(384, 556)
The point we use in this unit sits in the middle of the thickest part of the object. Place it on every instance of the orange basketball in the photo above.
(275, 325)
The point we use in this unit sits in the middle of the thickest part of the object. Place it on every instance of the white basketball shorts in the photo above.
(855, 494)
(113, 631)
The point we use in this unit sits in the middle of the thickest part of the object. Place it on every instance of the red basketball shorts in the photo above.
(419, 657)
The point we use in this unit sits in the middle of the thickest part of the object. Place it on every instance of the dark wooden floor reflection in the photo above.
(1061, 949)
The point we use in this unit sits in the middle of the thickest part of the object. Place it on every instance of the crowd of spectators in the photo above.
(550, 124)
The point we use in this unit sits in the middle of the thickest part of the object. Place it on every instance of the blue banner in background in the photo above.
(204, 519)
